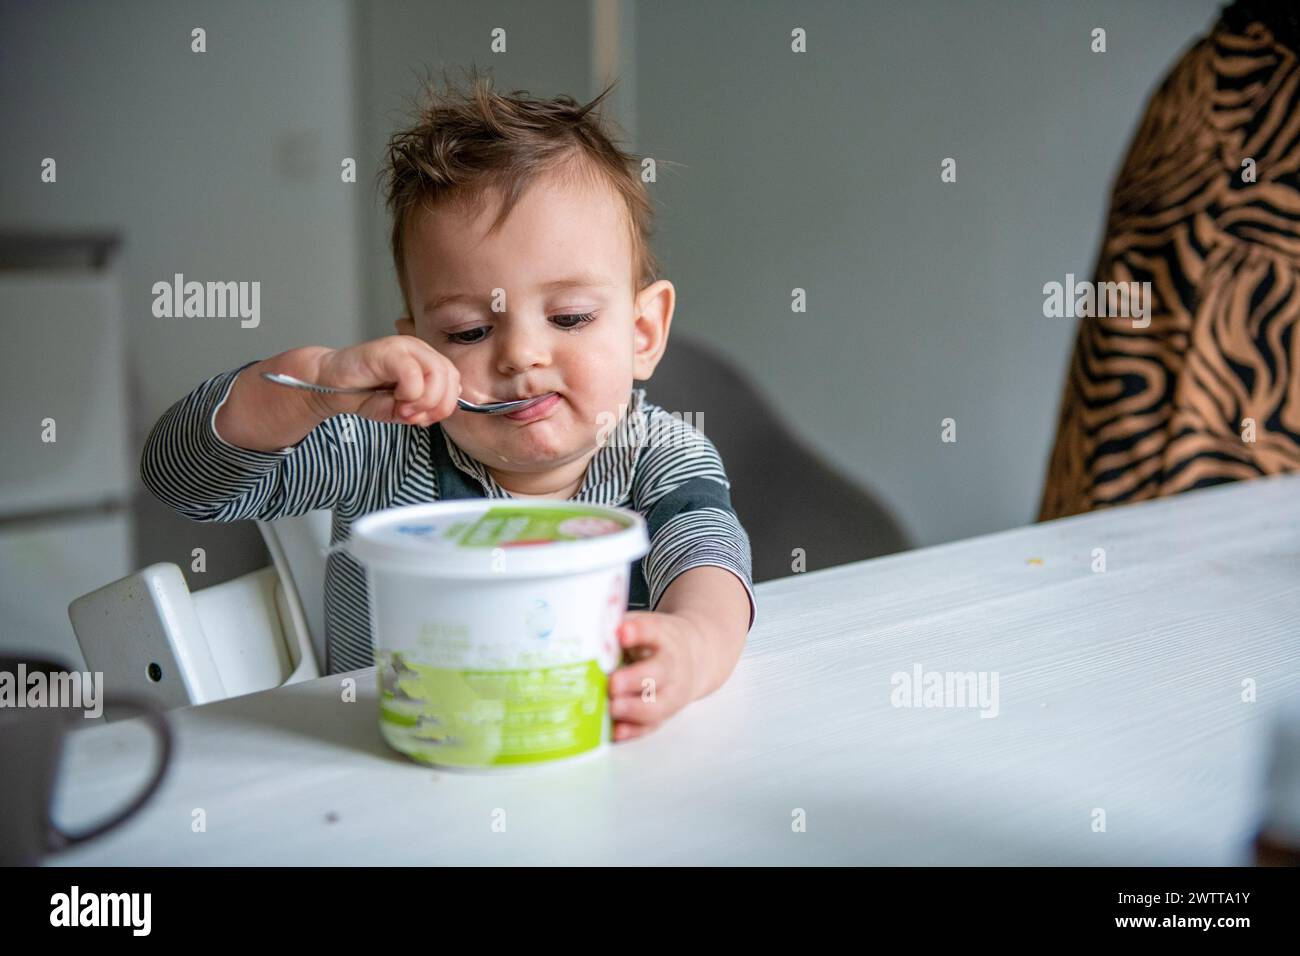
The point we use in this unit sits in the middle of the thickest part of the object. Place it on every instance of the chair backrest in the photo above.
(785, 494)
(298, 549)
(152, 638)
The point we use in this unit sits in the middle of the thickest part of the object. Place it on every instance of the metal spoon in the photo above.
(491, 408)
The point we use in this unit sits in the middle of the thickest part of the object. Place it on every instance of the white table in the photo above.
(1119, 690)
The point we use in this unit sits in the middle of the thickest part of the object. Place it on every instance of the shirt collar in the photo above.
(609, 475)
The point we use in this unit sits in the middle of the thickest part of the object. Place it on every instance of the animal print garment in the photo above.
(1158, 410)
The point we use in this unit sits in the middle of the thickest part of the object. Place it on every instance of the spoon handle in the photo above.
(492, 408)
(313, 387)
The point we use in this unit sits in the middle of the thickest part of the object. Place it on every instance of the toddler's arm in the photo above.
(239, 447)
(700, 585)
(683, 491)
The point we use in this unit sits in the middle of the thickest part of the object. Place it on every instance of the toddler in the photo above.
(520, 236)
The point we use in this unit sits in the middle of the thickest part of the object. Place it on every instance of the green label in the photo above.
(475, 718)
(512, 526)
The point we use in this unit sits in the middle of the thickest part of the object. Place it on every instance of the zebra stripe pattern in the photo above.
(1207, 209)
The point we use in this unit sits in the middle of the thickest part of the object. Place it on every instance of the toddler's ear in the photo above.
(404, 326)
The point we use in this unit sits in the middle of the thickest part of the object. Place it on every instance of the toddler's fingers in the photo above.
(638, 629)
(635, 710)
(442, 392)
(629, 680)
(451, 394)
(625, 731)
(408, 373)
(441, 383)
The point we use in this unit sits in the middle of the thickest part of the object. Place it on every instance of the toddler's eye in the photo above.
(573, 321)
(566, 322)
(459, 338)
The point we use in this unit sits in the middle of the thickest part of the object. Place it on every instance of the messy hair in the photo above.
(461, 144)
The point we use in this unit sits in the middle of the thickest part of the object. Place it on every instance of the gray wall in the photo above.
(821, 171)
(222, 166)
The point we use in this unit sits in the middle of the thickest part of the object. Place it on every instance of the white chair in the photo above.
(151, 637)
(298, 549)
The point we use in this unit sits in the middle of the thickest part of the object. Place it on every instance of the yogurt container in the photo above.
(495, 625)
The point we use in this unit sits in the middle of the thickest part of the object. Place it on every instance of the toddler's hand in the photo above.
(425, 383)
(661, 680)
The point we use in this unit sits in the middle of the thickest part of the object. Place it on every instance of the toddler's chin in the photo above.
(538, 447)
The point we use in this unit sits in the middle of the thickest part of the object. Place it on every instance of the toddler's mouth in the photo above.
(537, 410)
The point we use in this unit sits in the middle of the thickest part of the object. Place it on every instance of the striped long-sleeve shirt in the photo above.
(652, 462)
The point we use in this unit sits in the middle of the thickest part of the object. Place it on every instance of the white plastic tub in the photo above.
(495, 625)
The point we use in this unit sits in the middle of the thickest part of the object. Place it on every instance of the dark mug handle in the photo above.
(60, 839)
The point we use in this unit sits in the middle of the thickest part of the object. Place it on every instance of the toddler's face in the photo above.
(570, 321)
